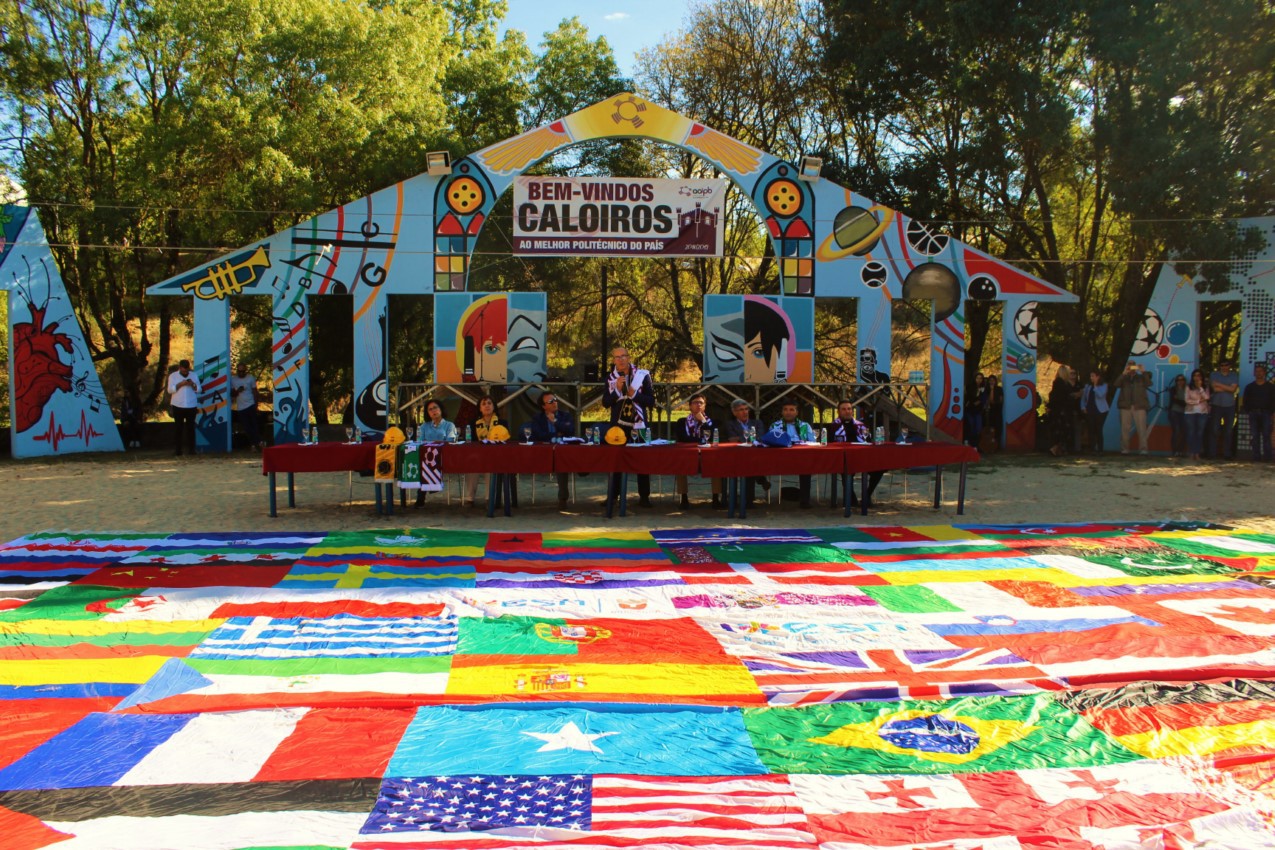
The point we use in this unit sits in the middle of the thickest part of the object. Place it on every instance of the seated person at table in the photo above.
(695, 427)
(487, 419)
(847, 428)
(799, 432)
(553, 424)
(435, 429)
(735, 430)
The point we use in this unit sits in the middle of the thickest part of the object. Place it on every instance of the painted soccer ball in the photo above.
(1150, 334)
(1025, 324)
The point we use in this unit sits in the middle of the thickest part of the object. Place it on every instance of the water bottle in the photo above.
(823, 436)
(469, 434)
(878, 436)
(314, 433)
(714, 436)
(358, 435)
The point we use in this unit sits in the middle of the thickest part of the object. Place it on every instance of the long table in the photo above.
(731, 461)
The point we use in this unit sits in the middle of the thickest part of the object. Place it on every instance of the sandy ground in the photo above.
(154, 491)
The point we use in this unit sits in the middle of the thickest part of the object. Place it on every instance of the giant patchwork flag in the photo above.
(1079, 686)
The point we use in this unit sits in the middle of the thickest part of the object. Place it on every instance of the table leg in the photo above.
(389, 499)
(292, 490)
(847, 486)
(613, 480)
(863, 494)
(508, 490)
(938, 487)
(624, 494)
(960, 491)
(273, 510)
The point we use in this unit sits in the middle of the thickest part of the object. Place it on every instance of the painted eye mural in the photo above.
(497, 338)
(758, 339)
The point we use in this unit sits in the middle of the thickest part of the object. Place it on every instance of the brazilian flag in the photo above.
(971, 735)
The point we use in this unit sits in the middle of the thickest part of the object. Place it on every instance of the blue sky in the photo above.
(629, 25)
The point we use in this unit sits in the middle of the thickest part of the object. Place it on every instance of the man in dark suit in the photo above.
(551, 425)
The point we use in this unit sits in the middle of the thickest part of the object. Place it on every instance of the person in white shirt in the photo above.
(183, 400)
(243, 404)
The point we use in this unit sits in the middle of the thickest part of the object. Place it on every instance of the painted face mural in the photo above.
(758, 339)
(499, 338)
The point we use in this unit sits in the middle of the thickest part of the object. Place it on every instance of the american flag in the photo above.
(581, 811)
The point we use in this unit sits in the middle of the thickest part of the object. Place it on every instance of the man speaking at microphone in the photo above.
(629, 395)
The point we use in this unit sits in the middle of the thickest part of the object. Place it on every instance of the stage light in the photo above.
(810, 168)
(438, 163)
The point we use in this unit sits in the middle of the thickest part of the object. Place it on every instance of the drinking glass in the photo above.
(526, 434)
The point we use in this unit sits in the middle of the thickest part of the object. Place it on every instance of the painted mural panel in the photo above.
(1167, 343)
(56, 402)
(759, 339)
(829, 242)
(496, 338)
(356, 250)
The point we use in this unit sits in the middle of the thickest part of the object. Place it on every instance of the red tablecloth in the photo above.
(681, 459)
(497, 457)
(734, 460)
(323, 457)
(860, 458)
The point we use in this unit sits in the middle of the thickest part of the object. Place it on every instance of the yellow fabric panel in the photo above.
(60, 671)
(665, 679)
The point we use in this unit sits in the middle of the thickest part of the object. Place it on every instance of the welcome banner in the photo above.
(615, 216)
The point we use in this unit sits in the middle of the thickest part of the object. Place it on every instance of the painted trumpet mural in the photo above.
(56, 402)
(831, 243)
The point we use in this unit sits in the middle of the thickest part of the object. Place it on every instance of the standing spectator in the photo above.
(629, 395)
(550, 425)
(994, 418)
(183, 400)
(976, 401)
(1062, 411)
(244, 399)
(1177, 415)
(1093, 403)
(1224, 384)
(1197, 413)
(130, 422)
(1133, 403)
(1259, 404)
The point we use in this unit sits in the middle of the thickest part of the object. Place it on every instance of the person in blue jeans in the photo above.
(1259, 404)
(1196, 413)
(1224, 384)
(1093, 403)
